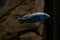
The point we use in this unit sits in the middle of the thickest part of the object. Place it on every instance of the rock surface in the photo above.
(10, 11)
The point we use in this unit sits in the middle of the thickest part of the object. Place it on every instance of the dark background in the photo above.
(52, 7)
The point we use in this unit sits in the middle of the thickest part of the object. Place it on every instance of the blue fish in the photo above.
(34, 17)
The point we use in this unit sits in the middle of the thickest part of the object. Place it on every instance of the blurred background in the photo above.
(10, 10)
